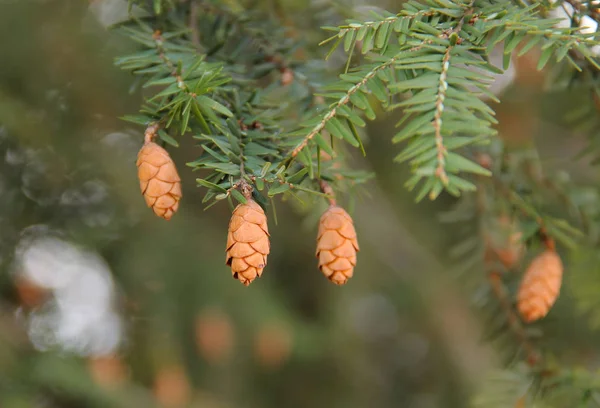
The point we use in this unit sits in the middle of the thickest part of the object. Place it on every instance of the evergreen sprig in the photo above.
(505, 225)
(221, 103)
(220, 81)
(432, 61)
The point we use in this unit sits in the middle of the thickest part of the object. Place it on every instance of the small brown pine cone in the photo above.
(273, 345)
(215, 335)
(172, 387)
(540, 286)
(337, 245)
(247, 242)
(287, 76)
(159, 181)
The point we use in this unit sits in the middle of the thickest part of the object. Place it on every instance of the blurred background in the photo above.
(102, 304)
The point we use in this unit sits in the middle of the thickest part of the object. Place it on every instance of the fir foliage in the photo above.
(216, 97)
(431, 60)
(431, 64)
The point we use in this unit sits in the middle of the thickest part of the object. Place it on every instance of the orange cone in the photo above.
(337, 245)
(540, 286)
(159, 181)
(247, 242)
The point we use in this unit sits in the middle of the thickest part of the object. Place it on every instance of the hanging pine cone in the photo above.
(540, 286)
(336, 245)
(247, 242)
(159, 181)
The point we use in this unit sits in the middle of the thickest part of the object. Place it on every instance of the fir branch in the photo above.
(533, 357)
(268, 44)
(150, 132)
(585, 9)
(162, 54)
(374, 33)
(377, 35)
(326, 189)
(193, 23)
(549, 229)
(495, 277)
(344, 100)
(440, 171)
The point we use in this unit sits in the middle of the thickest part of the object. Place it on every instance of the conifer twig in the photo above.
(159, 41)
(326, 189)
(533, 358)
(499, 290)
(242, 164)
(341, 102)
(440, 171)
(580, 8)
(374, 24)
(245, 188)
(439, 101)
(344, 100)
(193, 23)
(150, 132)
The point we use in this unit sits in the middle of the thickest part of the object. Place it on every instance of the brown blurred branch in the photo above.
(494, 277)
(177, 74)
(150, 132)
(501, 294)
(585, 9)
(326, 189)
(193, 23)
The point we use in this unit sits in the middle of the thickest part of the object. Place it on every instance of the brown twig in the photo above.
(582, 9)
(159, 41)
(499, 290)
(245, 188)
(193, 23)
(440, 171)
(533, 358)
(326, 189)
(150, 132)
(341, 102)
(548, 241)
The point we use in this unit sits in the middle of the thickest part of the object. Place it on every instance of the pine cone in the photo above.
(540, 286)
(247, 242)
(336, 245)
(159, 181)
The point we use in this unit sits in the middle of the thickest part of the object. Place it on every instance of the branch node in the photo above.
(326, 189)
(150, 132)
(245, 188)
